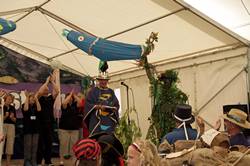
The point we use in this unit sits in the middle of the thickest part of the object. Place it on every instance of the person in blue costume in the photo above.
(183, 131)
(6, 26)
(103, 49)
(101, 107)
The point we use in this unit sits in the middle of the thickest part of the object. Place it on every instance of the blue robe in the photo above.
(99, 121)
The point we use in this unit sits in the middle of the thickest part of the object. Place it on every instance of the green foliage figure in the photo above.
(165, 95)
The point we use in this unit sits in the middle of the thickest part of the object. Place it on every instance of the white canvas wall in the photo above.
(201, 78)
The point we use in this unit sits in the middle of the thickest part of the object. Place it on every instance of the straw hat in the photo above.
(237, 117)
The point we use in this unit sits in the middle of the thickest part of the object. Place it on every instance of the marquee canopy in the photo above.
(182, 30)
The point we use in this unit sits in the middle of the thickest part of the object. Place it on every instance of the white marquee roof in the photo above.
(182, 30)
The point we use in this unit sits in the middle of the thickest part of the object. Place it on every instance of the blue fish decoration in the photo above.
(103, 49)
(6, 26)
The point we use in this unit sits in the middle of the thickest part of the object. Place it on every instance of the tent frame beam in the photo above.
(16, 11)
(40, 56)
(35, 8)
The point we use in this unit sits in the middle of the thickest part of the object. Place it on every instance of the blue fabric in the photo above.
(104, 50)
(6, 26)
(179, 134)
(95, 120)
(238, 139)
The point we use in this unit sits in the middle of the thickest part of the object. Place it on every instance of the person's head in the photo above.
(87, 152)
(183, 113)
(111, 146)
(8, 99)
(32, 98)
(142, 153)
(234, 120)
(102, 79)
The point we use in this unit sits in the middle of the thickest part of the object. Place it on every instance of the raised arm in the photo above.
(43, 88)
(66, 100)
(55, 87)
(38, 106)
(78, 100)
(26, 103)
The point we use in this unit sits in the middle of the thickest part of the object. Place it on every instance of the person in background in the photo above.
(46, 119)
(2, 93)
(183, 119)
(236, 120)
(9, 126)
(30, 110)
(88, 152)
(69, 124)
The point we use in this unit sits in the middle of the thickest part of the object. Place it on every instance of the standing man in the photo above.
(101, 107)
(46, 117)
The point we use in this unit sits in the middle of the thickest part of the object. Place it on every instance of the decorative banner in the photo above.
(6, 26)
(104, 50)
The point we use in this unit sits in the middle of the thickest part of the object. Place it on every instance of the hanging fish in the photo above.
(8, 80)
(6, 26)
(103, 49)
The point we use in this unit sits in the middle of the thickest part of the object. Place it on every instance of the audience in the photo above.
(69, 124)
(9, 126)
(87, 152)
(30, 110)
(236, 120)
(183, 118)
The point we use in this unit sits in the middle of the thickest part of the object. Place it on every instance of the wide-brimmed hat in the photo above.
(237, 117)
(109, 143)
(183, 113)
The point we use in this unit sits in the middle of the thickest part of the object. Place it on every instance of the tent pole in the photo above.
(35, 8)
(248, 80)
(63, 21)
(17, 11)
(219, 91)
(42, 58)
(116, 34)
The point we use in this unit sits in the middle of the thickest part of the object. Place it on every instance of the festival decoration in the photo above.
(103, 49)
(6, 26)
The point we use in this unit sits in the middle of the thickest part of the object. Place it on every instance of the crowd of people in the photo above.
(98, 112)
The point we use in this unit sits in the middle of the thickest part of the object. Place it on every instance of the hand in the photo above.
(100, 107)
(1, 137)
(200, 122)
(2, 93)
(217, 124)
(48, 79)
(26, 93)
(7, 114)
(11, 115)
